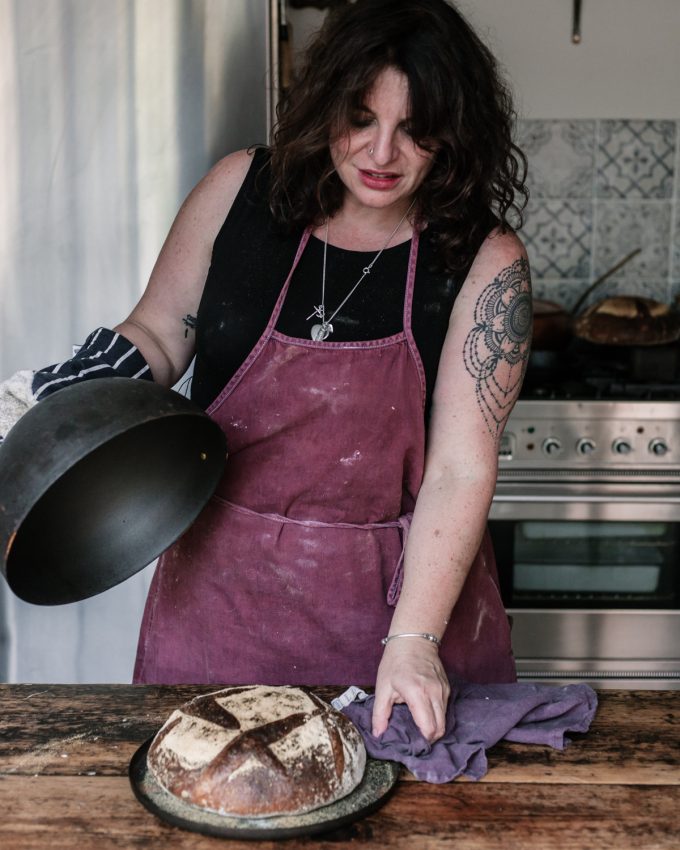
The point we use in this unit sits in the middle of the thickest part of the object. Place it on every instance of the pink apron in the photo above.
(290, 573)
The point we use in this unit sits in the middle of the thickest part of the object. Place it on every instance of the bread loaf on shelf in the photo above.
(258, 751)
(629, 320)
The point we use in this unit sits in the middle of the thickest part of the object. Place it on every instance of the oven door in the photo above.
(590, 575)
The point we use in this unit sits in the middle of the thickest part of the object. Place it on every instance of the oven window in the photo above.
(587, 564)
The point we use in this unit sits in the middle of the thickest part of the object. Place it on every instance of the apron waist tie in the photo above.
(403, 522)
(394, 590)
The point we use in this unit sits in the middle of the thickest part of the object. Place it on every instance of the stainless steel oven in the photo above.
(586, 528)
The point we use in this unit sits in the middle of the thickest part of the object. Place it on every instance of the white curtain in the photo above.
(110, 111)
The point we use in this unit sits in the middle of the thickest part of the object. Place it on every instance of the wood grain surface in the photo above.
(64, 754)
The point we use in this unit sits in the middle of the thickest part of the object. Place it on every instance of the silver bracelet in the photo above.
(427, 635)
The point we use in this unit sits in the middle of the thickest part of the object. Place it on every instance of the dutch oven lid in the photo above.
(96, 481)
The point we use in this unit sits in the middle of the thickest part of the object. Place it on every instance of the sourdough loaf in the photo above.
(629, 320)
(258, 751)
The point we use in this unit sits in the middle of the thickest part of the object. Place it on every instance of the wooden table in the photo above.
(64, 753)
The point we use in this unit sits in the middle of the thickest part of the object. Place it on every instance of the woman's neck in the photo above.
(360, 228)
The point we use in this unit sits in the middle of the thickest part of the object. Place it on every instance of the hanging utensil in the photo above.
(553, 324)
(576, 23)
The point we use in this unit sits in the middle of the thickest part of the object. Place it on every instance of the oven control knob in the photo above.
(621, 446)
(552, 446)
(585, 446)
(658, 446)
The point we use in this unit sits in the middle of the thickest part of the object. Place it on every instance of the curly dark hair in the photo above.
(460, 109)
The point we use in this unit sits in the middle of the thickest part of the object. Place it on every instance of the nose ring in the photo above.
(370, 150)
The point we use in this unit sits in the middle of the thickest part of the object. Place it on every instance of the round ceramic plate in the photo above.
(379, 779)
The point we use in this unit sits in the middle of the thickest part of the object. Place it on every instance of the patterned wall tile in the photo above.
(657, 290)
(676, 175)
(561, 156)
(567, 292)
(562, 292)
(621, 226)
(635, 159)
(675, 293)
(675, 236)
(557, 235)
(675, 247)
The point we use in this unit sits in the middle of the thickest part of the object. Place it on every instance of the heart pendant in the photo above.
(321, 332)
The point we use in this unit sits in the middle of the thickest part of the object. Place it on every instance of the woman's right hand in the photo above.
(411, 672)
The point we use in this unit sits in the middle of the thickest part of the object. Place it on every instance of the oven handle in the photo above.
(565, 497)
(603, 508)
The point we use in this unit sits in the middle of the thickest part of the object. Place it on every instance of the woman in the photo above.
(360, 313)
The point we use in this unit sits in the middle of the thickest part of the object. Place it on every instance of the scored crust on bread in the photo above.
(630, 307)
(258, 751)
(629, 320)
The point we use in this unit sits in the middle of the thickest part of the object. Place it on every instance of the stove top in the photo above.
(583, 371)
(633, 436)
(601, 389)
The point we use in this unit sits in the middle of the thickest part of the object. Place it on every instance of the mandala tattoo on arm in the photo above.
(496, 350)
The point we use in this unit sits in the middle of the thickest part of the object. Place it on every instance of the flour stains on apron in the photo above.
(289, 574)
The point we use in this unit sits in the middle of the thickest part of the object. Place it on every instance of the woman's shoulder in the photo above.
(205, 208)
(222, 184)
(499, 250)
(234, 190)
(231, 172)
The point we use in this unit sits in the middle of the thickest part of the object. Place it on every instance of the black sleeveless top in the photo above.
(250, 262)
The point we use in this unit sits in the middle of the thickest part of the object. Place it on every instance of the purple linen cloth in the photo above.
(477, 717)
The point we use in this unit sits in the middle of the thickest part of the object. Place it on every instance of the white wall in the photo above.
(627, 65)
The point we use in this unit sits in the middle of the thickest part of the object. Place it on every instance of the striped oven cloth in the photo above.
(104, 354)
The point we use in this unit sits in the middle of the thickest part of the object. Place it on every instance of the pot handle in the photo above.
(602, 278)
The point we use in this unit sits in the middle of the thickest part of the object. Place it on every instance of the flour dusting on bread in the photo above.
(258, 751)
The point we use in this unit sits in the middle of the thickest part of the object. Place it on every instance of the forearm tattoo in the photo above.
(497, 348)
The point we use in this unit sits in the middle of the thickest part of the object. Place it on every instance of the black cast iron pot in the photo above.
(96, 481)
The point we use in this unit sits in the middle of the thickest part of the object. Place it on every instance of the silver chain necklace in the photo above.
(323, 329)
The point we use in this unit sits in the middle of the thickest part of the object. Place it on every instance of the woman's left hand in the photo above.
(411, 672)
